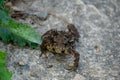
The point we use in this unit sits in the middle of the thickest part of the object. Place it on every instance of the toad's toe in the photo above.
(71, 67)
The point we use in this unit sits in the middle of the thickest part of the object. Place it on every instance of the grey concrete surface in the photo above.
(98, 22)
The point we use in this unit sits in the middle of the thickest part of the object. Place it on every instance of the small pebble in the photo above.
(42, 15)
(32, 75)
(21, 63)
(79, 77)
(97, 48)
(32, 22)
(49, 66)
(26, 66)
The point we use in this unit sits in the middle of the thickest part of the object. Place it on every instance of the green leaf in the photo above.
(1, 3)
(4, 16)
(4, 74)
(24, 31)
(12, 31)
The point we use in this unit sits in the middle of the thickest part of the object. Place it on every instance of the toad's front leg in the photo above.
(43, 50)
(76, 60)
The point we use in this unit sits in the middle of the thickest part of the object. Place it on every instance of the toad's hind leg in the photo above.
(76, 60)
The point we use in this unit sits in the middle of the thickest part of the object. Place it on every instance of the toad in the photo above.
(61, 42)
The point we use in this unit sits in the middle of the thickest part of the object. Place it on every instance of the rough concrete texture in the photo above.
(98, 22)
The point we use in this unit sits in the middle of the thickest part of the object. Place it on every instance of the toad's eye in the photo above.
(63, 51)
(53, 49)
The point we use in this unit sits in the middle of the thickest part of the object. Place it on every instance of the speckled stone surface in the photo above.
(98, 22)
